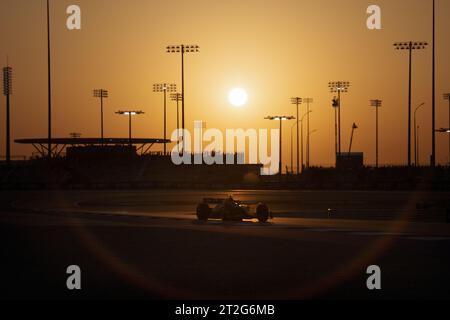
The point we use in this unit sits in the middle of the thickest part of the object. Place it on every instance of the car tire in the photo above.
(262, 212)
(203, 211)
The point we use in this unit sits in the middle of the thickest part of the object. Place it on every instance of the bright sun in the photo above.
(238, 97)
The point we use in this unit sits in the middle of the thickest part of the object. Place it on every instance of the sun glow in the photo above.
(238, 97)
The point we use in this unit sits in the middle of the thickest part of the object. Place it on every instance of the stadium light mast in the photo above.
(281, 119)
(335, 105)
(164, 88)
(301, 137)
(416, 138)
(377, 104)
(339, 87)
(49, 142)
(299, 124)
(182, 49)
(308, 101)
(410, 46)
(297, 101)
(292, 147)
(7, 91)
(102, 94)
(130, 114)
(177, 97)
(447, 97)
(433, 106)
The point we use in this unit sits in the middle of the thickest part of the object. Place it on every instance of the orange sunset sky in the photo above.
(274, 49)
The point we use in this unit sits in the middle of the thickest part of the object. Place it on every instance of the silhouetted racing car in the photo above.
(228, 209)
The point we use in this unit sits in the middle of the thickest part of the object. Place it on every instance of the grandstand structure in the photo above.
(141, 146)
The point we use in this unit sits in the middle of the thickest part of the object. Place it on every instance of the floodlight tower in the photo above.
(297, 101)
(182, 49)
(335, 105)
(102, 94)
(416, 136)
(165, 87)
(177, 97)
(377, 104)
(301, 137)
(298, 123)
(308, 101)
(130, 114)
(339, 87)
(433, 88)
(410, 46)
(447, 97)
(49, 73)
(281, 119)
(7, 91)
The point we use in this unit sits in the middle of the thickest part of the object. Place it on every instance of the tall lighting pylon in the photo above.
(49, 142)
(7, 91)
(182, 49)
(102, 94)
(281, 119)
(377, 104)
(410, 46)
(164, 88)
(308, 101)
(447, 97)
(433, 106)
(297, 101)
(177, 97)
(339, 87)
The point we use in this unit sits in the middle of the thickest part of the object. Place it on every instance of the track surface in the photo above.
(149, 245)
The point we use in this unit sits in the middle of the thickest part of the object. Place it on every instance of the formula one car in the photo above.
(228, 209)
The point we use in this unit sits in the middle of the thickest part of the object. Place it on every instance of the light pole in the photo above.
(177, 97)
(49, 142)
(281, 119)
(301, 137)
(433, 106)
(308, 101)
(339, 87)
(7, 91)
(102, 94)
(417, 146)
(377, 104)
(447, 97)
(335, 105)
(410, 46)
(312, 132)
(292, 146)
(165, 87)
(416, 139)
(130, 114)
(354, 127)
(183, 49)
(297, 101)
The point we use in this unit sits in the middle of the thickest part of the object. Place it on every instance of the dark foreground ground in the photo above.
(148, 245)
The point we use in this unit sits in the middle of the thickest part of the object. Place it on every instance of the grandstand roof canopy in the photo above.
(91, 141)
(59, 144)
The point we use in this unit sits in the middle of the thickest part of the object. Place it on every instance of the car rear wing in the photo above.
(221, 200)
(213, 200)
